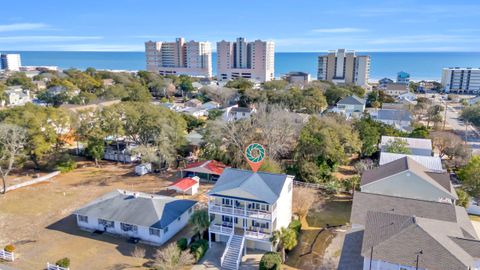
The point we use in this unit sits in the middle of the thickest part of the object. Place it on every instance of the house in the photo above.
(187, 185)
(351, 104)
(393, 241)
(151, 218)
(40, 85)
(408, 96)
(400, 119)
(246, 207)
(396, 89)
(211, 105)
(121, 154)
(382, 84)
(235, 113)
(429, 162)
(195, 103)
(407, 178)
(417, 146)
(196, 112)
(208, 170)
(403, 77)
(108, 82)
(297, 78)
(17, 96)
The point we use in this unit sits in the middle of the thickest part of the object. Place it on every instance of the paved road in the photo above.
(472, 134)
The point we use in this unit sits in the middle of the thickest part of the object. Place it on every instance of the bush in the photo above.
(270, 261)
(9, 248)
(182, 243)
(295, 225)
(66, 164)
(199, 248)
(65, 262)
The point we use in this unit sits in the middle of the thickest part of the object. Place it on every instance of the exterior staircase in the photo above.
(233, 252)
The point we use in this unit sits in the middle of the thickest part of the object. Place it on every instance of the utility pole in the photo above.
(418, 257)
(445, 117)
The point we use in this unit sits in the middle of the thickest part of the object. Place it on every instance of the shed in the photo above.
(187, 185)
(143, 169)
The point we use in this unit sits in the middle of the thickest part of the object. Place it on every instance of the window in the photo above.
(190, 210)
(178, 219)
(154, 231)
(128, 227)
(105, 223)
(165, 230)
(83, 219)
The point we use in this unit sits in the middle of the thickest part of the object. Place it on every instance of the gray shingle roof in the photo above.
(365, 202)
(143, 209)
(240, 109)
(259, 186)
(352, 100)
(394, 115)
(439, 180)
(399, 239)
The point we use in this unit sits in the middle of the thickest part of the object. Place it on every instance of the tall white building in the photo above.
(176, 58)
(461, 80)
(250, 60)
(344, 67)
(10, 61)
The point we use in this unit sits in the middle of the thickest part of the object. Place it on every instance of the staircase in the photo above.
(233, 252)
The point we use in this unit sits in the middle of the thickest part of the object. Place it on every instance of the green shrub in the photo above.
(65, 262)
(66, 164)
(9, 248)
(182, 243)
(199, 248)
(270, 261)
(295, 225)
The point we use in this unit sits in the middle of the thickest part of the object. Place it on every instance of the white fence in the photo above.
(7, 256)
(56, 267)
(33, 181)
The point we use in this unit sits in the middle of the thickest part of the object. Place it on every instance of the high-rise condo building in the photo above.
(190, 58)
(344, 67)
(461, 80)
(250, 60)
(10, 61)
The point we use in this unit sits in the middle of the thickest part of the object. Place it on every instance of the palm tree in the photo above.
(286, 239)
(200, 221)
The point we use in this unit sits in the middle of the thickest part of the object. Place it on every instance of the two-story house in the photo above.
(350, 105)
(245, 208)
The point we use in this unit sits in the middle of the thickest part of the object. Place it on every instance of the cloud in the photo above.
(339, 30)
(23, 27)
(13, 39)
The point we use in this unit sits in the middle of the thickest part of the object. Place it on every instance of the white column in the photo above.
(209, 239)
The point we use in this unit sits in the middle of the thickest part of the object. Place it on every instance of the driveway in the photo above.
(211, 260)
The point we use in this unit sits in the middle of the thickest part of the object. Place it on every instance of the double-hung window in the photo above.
(154, 231)
(83, 219)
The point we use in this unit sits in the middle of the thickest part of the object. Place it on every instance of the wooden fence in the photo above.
(56, 267)
(7, 256)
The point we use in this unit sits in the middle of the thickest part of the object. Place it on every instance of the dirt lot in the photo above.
(38, 221)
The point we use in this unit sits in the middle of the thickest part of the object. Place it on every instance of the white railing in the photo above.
(242, 212)
(7, 256)
(226, 249)
(216, 228)
(258, 235)
(56, 267)
(239, 256)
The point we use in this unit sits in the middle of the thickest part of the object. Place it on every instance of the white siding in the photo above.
(284, 205)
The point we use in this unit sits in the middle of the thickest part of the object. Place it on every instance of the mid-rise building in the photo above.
(461, 80)
(344, 67)
(176, 58)
(10, 61)
(403, 77)
(249, 60)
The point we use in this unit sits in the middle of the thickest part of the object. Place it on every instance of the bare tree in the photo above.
(12, 141)
(222, 95)
(172, 258)
(303, 198)
(451, 146)
(138, 252)
(363, 165)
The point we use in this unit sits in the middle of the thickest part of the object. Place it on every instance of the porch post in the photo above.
(245, 248)
(209, 239)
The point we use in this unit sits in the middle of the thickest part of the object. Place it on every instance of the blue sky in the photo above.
(295, 25)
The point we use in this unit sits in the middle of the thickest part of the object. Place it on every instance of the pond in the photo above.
(313, 241)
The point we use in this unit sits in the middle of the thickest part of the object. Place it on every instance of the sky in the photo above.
(294, 25)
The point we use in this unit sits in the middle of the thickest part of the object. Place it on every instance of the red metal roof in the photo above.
(212, 166)
(184, 183)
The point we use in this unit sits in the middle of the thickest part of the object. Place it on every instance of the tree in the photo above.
(420, 132)
(137, 92)
(399, 146)
(172, 258)
(463, 198)
(240, 84)
(270, 261)
(334, 94)
(471, 114)
(90, 130)
(369, 134)
(303, 198)
(470, 176)
(271, 166)
(450, 145)
(12, 142)
(286, 239)
(200, 221)
(434, 114)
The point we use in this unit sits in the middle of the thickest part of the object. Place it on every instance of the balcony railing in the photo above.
(252, 234)
(241, 212)
(218, 228)
(258, 235)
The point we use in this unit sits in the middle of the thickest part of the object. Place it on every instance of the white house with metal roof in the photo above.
(429, 162)
(246, 207)
(350, 105)
(151, 218)
(419, 147)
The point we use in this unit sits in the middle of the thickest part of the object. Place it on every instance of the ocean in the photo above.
(420, 65)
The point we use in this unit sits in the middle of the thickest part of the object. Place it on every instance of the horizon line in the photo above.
(362, 51)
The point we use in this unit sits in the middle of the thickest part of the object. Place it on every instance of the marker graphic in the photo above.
(255, 154)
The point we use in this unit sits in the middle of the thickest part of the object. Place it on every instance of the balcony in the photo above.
(219, 228)
(241, 212)
(226, 228)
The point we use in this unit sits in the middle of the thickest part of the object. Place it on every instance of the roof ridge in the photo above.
(403, 198)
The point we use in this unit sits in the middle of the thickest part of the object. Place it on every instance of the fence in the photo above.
(33, 181)
(56, 267)
(7, 256)
(309, 185)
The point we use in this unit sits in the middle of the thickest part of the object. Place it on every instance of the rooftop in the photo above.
(429, 162)
(206, 166)
(353, 100)
(412, 142)
(184, 183)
